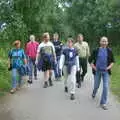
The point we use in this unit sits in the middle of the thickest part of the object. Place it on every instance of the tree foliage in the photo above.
(93, 18)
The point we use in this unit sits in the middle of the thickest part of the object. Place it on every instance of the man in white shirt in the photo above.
(45, 58)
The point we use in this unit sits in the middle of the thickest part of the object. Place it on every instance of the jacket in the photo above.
(93, 58)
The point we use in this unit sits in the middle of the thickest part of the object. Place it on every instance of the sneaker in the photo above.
(104, 106)
(50, 82)
(58, 79)
(66, 89)
(79, 85)
(45, 85)
(12, 91)
(30, 81)
(72, 97)
(82, 78)
(93, 96)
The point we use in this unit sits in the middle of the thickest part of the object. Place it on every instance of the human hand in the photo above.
(93, 67)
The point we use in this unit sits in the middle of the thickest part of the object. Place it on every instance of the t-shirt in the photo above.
(46, 48)
(17, 57)
(101, 62)
(31, 49)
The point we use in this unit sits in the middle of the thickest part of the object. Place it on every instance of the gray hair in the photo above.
(32, 37)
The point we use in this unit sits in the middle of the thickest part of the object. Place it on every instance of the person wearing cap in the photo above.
(17, 58)
(101, 61)
(84, 53)
(58, 49)
(45, 58)
(69, 62)
(31, 52)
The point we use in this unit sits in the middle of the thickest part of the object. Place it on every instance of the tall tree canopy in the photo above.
(93, 18)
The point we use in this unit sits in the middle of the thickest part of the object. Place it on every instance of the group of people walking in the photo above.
(69, 60)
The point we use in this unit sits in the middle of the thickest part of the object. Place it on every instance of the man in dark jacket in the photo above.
(101, 61)
(58, 49)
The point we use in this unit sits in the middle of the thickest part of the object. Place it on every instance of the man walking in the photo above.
(101, 61)
(45, 58)
(58, 49)
(83, 52)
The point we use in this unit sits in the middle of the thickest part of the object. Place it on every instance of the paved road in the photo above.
(36, 103)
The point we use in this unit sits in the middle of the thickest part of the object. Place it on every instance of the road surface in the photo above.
(37, 103)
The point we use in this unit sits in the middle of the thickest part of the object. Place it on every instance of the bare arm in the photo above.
(38, 54)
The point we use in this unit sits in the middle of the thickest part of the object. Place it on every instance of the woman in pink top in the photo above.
(31, 51)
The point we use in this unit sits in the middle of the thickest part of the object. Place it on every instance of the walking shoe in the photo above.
(103, 106)
(66, 89)
(72, 97)
(79, 85)
(58, 79)
(12, 91)
(45, 85)
(93, 96)
(30, 81)
(82, 78)
(50, 82)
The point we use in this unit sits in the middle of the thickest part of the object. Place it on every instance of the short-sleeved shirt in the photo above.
(17, 57)
(46, 48)
(31, 49)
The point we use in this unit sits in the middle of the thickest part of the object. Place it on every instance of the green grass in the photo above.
(115, 78)
(4, 73)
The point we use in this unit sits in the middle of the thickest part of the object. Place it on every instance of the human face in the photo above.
(47, 38)
(55, 37)
(70, 44)
(17, 45)
(80, 38)
(104, 42)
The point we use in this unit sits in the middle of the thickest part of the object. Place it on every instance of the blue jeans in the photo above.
(97, 79)
(16, 78)
(57, 70)
(31, 63)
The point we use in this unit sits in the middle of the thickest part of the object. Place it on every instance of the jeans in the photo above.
(97, 79)
(57, 70)
(16, 78)
(31, 63)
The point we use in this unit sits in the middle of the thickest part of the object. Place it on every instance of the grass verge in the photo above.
(115, 78)
(4, 74)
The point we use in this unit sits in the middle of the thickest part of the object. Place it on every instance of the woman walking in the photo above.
(70, 60)
(17, 59)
